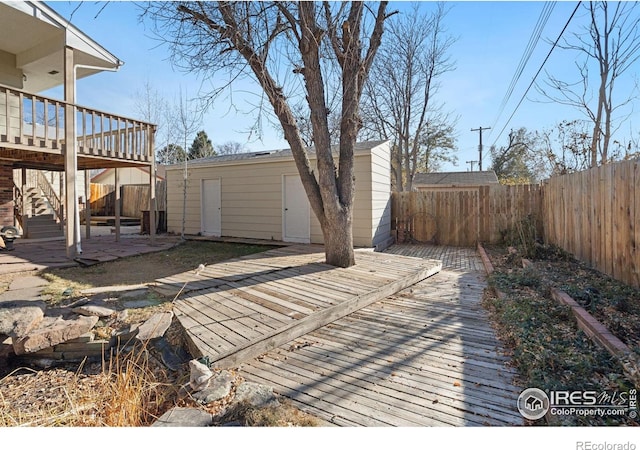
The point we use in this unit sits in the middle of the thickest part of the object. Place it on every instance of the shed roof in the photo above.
(270, 155)
(456, 178)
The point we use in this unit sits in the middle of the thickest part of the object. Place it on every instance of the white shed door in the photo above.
(211, 223)
(295, 211)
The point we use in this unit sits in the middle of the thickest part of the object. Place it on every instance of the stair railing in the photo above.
(18, 208)
(50, 194)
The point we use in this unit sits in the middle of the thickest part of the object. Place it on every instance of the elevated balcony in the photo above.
(32, 134)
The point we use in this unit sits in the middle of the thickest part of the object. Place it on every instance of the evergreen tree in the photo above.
(170, 154)
(201, 147)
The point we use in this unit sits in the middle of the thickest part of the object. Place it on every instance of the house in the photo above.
(40, 50)
(448, 180)
(260, 195)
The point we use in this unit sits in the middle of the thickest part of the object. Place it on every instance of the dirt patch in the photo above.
(149, 267)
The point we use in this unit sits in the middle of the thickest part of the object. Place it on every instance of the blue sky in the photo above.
(491, 38)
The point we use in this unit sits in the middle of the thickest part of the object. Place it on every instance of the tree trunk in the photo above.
(338, 240)
(397, 168)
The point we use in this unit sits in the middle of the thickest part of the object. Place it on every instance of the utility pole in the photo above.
(472, 163)
(480, 146)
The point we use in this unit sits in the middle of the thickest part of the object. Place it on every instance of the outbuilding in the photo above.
(259, 195)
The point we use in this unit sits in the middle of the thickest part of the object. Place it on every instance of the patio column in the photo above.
(6, 195)
(71, 196)
(153, 204)
(25, 204)
(87, 203)
(116, 182)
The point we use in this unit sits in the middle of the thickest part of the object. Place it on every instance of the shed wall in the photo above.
(380, 195)
(251, 200)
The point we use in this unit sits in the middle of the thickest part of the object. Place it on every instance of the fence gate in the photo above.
(463, 216)
(444, 217)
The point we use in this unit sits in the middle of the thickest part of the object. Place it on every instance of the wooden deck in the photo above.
(240, 309)
(420, 356)
(426, 356)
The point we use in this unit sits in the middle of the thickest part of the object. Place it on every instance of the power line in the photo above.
(538, 72)
(526, 55)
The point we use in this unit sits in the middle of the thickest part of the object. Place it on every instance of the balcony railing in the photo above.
(29, 120)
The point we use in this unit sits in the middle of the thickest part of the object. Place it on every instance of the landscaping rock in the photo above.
(218, 387)
(94, 310)
(184, 417)
(17, 318)
(54, 331)
(79, 302)
(199, 376)
(6, 349)
(155, 326)
(125, 336)
(256, 395)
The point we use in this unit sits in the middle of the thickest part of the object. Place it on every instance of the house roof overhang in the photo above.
(34, 36)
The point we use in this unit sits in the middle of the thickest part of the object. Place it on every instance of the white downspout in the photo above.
(75, 145)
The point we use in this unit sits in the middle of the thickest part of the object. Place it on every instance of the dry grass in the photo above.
(129, 391)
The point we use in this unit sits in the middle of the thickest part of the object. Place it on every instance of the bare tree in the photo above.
(303, 119)
(259, 40)
(437, 145)
(511, 163)
(185, 122)
(401, 89)
(611, 43)
(231, 148)
(151, 106)
(566, 147)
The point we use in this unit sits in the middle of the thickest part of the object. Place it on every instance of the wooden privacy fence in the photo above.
(595, 215)
(464, 216)
(134, 199)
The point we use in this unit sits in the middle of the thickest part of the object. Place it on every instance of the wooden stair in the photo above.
(41, 222)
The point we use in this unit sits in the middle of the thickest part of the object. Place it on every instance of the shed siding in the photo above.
(381, 194)
(251, 199)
